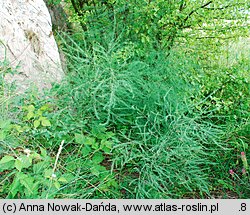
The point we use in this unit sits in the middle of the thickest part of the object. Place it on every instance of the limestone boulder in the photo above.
(28, 44)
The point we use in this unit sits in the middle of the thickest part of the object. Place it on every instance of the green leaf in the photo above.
(57, 185)
(6, 159)
(63, 180)
(98, 157)
(36, 123)
(98, 129)
(30, 108)
(39, 167)
(45, 107)
(68, 176)
(48, 173)
(79, 138)
(23, 162)
(43, 152)
(15, 187)
(97, 169)
(86, 150)
(28, 183)
(95, 145)
(106, 146)
(30, 115)
(45, 122)
(18, 165)
(39, 113)
(88, 163)
(35, 156)
(27, 161)
(7, 163)
(90, 141)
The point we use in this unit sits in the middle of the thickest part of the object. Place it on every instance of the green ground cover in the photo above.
(141, 113)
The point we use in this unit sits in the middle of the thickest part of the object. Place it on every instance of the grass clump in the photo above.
(121, 126)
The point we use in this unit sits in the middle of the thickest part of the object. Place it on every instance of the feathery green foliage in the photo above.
(131, 120)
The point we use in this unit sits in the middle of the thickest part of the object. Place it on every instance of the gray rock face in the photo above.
(27, 42)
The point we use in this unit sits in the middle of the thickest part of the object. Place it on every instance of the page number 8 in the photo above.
(243, 207)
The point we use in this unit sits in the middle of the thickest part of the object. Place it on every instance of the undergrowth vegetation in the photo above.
(128, 122)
